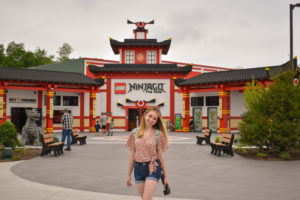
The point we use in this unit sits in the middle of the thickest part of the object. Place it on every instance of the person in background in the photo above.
(97, 127)
(111, 128)
(103, 120)
(67, 122)
(147, 144)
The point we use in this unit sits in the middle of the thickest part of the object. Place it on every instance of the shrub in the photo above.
(9, 135)
(218, 139)
(55, 138)
(285, 155)
(262, 155)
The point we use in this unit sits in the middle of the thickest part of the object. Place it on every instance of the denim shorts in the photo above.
(141, 172)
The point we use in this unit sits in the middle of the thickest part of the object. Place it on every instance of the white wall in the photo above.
(140, 95)
(237, 103)
(19, 94)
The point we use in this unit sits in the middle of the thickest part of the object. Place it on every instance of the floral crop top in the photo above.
(145, 148)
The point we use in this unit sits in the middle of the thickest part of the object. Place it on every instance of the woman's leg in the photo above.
(150, 186)
(140, 188)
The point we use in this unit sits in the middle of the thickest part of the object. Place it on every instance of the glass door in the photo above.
(212, 118)
(197, 118)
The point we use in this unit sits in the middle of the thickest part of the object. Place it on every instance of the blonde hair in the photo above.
(159, 125)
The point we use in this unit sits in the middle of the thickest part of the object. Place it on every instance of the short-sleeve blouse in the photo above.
(145, 148)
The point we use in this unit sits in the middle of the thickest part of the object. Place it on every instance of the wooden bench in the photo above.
(76, 137)
(225, 145)
(49, 145)
(205, 137)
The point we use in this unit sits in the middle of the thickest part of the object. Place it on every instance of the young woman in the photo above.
(147, 145)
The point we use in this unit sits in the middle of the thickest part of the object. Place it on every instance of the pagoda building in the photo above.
(140, 80)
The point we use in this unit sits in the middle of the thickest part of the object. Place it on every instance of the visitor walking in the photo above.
(67, 122)
(147, 144)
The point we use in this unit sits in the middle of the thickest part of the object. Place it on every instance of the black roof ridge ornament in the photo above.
(140, 25)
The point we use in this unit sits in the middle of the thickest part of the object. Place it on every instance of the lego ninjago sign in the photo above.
(120, 88)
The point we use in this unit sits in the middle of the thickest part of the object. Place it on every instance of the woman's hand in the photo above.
(165, 181)
(128, 181)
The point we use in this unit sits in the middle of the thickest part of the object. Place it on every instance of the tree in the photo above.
(64, 52)
(14, 55)
(17, 56)
(273, 114)
(2, 54)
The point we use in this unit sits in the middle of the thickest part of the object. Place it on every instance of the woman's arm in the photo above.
(163, 165)
(130, 168)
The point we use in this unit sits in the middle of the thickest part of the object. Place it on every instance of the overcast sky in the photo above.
(222, 33)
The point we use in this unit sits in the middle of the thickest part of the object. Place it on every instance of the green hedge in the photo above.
(9, 135)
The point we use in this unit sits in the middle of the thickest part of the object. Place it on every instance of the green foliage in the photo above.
(218, 139)
(9, 135)
(239, 147)
(272, 119)
(55, 138)
(262, 155)
(285, 155)
(15, 55)
(64, 52)
(1, 146)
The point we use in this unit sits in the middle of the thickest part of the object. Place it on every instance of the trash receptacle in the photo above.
(7, 153)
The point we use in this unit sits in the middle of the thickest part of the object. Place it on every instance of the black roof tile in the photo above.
(115, 45)
(261, 73)
(45, 76)
(140, 68)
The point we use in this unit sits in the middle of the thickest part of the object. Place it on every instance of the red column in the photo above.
(92, 110)
(49, 111)
(224, 111)
(81, 111)
(108, 99)
(40, 99)
(2, 105)
(172, 101)
(186, 110)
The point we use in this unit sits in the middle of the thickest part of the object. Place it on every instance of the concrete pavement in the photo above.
(98, 171)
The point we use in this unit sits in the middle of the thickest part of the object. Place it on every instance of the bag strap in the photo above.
(156, 134)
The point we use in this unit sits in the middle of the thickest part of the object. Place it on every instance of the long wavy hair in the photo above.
(159, 125)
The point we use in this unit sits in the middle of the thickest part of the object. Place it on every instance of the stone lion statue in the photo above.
(31, 133)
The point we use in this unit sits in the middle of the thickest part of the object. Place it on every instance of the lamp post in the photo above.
(292, 6)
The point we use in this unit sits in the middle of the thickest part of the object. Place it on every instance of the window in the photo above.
(151, 57)
(129, 57)
(70, 100)
(197, 101)
(57, 115)
(56, 100)
(212, 101)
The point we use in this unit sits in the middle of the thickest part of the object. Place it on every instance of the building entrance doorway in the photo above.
(18, 117)
(212, 118)
(134, 117)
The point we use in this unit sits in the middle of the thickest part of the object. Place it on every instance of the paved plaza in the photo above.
(98, 170)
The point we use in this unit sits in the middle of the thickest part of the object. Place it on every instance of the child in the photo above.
(147, 144)
(111, 127)
(97, 127)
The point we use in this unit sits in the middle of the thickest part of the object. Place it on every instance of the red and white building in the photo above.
(210, 96)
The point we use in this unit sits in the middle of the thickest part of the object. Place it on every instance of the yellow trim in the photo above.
(93, 95)
(2, 92)
(226, 112)
(224, 93)
(92, 129)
